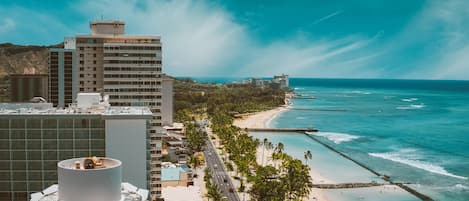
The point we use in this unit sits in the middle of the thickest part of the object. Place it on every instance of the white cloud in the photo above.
(203, 39)
(27, 26)
(441, 32)
(453, 18)
(327, 17)
(7, 25)
(198, 38)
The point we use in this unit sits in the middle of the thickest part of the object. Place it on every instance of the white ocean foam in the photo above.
(461, 187)
(409, 99)
(408, 157)
(336, 137)
(411, 107)
(358, 92)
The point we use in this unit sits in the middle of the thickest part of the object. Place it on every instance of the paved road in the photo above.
(219, 173)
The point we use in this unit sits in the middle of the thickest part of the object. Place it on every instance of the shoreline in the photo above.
(259, 119)
(263, 120)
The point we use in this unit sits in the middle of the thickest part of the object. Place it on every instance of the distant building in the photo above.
(24, 87)
(278, 81)
(35, 136)
(62, 77)
(90, 179)
(282, 80)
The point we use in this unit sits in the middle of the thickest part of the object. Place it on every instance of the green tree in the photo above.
(267, 185)
(296, 179)
(214, 193)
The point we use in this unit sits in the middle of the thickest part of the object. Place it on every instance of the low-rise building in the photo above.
(176, 175)
(90, 179)
(35, 136)
(24, 87)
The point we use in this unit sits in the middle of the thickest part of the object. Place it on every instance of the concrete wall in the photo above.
(126, 141)
(167, 102)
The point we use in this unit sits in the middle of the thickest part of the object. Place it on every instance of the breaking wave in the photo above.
(409, 99)
(336, 137)
(408, 157)
(358, 92)
(411, 107)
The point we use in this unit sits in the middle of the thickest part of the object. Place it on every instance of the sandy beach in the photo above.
(259, 119)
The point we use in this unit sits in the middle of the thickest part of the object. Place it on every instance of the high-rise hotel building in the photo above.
(129, 70)
(62, 76)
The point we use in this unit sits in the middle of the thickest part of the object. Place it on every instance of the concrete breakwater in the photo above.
(347, 185)
(297, 130)
(384, 177)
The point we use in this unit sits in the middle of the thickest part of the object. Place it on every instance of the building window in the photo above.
(82, 62)
(94, 62)
(82, 75)
(94, 55)
(82, 55)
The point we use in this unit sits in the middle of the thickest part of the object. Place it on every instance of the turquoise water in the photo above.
(414, 131)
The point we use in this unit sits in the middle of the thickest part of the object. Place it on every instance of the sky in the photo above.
(241, 38)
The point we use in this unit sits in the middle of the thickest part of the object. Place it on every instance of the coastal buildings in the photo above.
(24, 87)
(175, 144)
(90, 179)
(278, 81)
(35, 136)
(62, 76)
(127, 69)
(282, 80)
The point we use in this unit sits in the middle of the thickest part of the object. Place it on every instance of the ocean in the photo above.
(414, 131)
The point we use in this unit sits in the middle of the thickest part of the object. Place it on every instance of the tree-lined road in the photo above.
(220, 176)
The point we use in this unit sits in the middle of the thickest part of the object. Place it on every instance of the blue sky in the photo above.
(304, 38)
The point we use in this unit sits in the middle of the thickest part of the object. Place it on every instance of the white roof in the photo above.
(128, 192)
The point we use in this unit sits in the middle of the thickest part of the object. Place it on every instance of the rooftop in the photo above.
(47, 109)
(81, 163)
(170, 172)
(87, 103)
(128, 193)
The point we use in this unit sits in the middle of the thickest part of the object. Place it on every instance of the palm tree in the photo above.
(214, 193)
(264, 143)
(278, 151)
(269, 146)
(308, 156)
(296, 179)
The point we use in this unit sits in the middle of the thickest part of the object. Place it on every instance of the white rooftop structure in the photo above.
(87, 103)
(91, 179)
